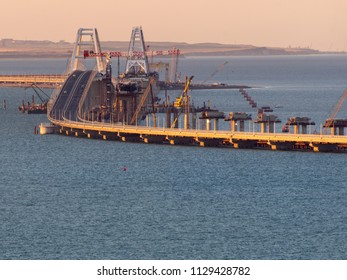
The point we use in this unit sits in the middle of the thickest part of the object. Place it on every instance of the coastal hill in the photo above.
(10, 48)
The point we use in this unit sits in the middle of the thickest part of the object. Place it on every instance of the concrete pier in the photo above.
(237, 119)
(337, 126)
(210, 116)
(267, 121)
(299, 124)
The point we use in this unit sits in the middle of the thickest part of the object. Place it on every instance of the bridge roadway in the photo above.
(53, 80)
(274, 141)
(75, 94)
(60, 103)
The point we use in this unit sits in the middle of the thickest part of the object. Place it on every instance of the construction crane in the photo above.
(175, 53)
(216, 71)
(40, 108)
(331, 119)
(182, 102)
(42, 98)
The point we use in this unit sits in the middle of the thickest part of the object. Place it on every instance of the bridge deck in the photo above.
(314, 141)
(52, 80)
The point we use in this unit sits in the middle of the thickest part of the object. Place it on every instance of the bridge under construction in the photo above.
(91, 104)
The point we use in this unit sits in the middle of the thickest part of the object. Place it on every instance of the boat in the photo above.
(35, 108)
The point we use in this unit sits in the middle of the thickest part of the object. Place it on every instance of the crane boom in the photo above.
(36, 88)
(216, 71)
(330, 120)
(183, 100)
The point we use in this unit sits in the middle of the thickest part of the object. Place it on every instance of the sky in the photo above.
(319, 24)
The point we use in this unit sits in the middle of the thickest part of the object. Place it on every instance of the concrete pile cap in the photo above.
(212, 115)
(335, 123)
(236, 116)
(262, 118)
(299, 121)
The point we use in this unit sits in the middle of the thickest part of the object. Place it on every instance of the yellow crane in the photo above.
(182, 101)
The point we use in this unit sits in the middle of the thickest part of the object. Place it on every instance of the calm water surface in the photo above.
(69, 198)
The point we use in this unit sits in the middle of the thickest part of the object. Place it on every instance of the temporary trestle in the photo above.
(137, 62)
(87, 38)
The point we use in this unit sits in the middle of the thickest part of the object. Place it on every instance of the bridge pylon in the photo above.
(87, 39)
(137, 62)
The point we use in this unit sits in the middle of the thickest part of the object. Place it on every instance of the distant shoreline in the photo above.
(10, 48)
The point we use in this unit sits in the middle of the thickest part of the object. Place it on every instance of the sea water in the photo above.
(70, 198)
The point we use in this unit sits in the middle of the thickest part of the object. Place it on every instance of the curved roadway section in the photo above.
(65, 107)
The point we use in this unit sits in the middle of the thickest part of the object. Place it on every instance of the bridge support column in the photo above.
(337, 130)
(242, 125)
(233, 125)
(194, 120)
(243, 144)
(263, 128)
(153, 139)
(208, 124)
(295, 129)
(323, 147)
(204, 142)
(216, 126)
(180, 140)
(130, 138)
(281, 146)
(186, 121)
